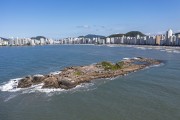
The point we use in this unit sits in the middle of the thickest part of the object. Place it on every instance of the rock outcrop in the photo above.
(72, 76)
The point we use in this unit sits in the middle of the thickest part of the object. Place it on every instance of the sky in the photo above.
(72, 18)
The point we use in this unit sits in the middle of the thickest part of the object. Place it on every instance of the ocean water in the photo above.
(149, 94)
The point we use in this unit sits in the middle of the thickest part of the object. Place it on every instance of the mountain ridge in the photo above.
(128, 34)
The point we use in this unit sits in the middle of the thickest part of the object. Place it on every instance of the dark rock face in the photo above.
(38, 79)
(51, 82)
(65, 84)
(70, 77)
(25, 82)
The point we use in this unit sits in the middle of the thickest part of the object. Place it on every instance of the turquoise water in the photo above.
(150, 94)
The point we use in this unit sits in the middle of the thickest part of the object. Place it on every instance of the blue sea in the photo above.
(149, 94)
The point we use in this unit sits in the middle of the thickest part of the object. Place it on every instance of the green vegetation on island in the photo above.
(111, 66)
(78, 73)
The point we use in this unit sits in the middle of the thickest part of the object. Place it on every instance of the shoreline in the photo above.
(109, 45)
(145, 46)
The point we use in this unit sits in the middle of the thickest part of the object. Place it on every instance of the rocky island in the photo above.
(72, 76)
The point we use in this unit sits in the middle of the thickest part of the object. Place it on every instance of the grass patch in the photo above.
(110, 66)
(78, 73)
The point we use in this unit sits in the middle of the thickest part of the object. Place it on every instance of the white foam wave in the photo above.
(10, 97)
(126, 58)
(38, 88)
(163, 50)
(171, 51)
(11, 85)
(135, 58)
(112, 45)
(114, 78)
(160, 48)
(158, 65)
(149, 48)
(83, 85)
(176, 51)
(157, 48)
(55, 73)
(142, 48)
(155, 65)
(38, 75)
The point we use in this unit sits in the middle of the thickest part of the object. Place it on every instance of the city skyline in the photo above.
(60, 19)
(130, 38)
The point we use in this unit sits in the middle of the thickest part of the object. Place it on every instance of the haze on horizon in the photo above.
(64, 18)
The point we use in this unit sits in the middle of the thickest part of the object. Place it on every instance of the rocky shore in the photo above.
(72, 76)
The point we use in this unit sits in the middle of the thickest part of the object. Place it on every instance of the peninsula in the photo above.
(70, 77)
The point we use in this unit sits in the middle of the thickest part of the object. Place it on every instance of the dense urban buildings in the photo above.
(169, 39)
(131, 38)
(27, 41)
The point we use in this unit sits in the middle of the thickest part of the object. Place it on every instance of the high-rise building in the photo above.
(158, 39)
(169, 33)
(16, 41)
(177, 38)
(42, 41)
(1, 41)
(173, 40)
(108, 40)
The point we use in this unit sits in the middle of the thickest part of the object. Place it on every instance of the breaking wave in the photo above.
(11, 85)
(126, 58)
(12, 91)
(142, 48)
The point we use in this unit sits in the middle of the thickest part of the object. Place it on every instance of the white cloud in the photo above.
(95, 27)
(84, 26)
(147, 33)
(161, 32)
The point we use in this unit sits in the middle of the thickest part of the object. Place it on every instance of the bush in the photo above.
(110, 66)
(78, 73)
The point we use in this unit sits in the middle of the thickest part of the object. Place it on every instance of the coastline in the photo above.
(109, 45)
(145, 46)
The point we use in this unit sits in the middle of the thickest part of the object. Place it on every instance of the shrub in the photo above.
(78, 73)
(110, 66)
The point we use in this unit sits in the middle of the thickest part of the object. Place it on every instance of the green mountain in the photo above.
(177, 33)
(129, 34)
(91, 36)
(81, 37)
(134, 34)
(4, 39)
(116, 35)
(38, 37)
